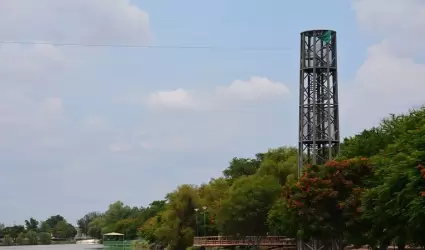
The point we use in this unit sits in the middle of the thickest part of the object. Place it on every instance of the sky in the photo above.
(82, 127)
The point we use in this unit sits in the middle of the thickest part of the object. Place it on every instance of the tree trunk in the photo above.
(401, 246)
(384, 245)
(337, 244)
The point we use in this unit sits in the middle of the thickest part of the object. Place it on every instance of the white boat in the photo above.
(88, 242)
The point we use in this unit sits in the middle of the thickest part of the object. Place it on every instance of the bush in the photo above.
(45, 238)
(8, 241)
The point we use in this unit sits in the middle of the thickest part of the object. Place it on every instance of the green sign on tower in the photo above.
(326, 37)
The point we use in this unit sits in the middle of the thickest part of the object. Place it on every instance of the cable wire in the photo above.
(176, 47)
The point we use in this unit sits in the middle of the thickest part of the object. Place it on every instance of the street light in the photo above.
(205, 230)
(196, 214)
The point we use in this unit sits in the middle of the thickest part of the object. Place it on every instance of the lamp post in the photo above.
(205, 229)
(196, 217)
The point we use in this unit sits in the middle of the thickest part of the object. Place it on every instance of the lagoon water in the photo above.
(54, 247)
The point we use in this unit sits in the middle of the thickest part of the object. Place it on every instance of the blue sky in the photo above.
(82, 127)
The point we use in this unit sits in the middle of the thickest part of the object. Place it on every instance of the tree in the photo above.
(32, 237)
(52, 221)
(245, 209)
(45, 227)
(8, 241)
(32, 224)
(14, 231)
(95, 228)
(83, 223)
(2, 226)
(153, 209)
(61, 230)
(280, 163)
(326, 199)
(212, 195)
(20, 239)
(178, 220)
(45, 238)
(149, 220)
(241, 167)
(64, 230)
(394, 203)
(281, 220)
(366, 144)
(72, 231)
(128, 227)
(116, 212)
(148, 229)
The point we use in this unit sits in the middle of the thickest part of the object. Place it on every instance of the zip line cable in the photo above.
(175, 47)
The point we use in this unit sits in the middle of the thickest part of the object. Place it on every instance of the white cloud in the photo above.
(37, 82)
(19, 110)
(94, 21)
(226, 115)
(384, 84)
(30, 65)
(176, 99)
(384, 74)
(251, 90)
(400, 15)
(31, 74)
(256, 88)
(390, 80)
(399, 22)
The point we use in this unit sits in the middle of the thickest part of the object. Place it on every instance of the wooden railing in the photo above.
(216, 241)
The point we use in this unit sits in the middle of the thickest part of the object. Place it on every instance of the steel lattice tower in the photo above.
(318, 110)
(319, 113)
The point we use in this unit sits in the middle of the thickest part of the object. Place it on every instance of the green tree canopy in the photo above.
(52, 221)
(245, 209)
(178, 220)
(32, 224)
(239, 167)
(83, 223)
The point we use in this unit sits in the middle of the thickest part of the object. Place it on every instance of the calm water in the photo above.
(54, 247)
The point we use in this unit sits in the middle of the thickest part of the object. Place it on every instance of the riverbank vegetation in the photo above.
(54, 230)
(372, 194)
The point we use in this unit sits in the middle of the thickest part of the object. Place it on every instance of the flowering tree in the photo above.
(326, 199)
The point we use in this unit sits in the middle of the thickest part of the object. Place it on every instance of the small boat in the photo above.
(88, 242)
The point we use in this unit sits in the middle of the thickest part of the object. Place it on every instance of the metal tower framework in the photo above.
(319, 116)
(319, 136)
